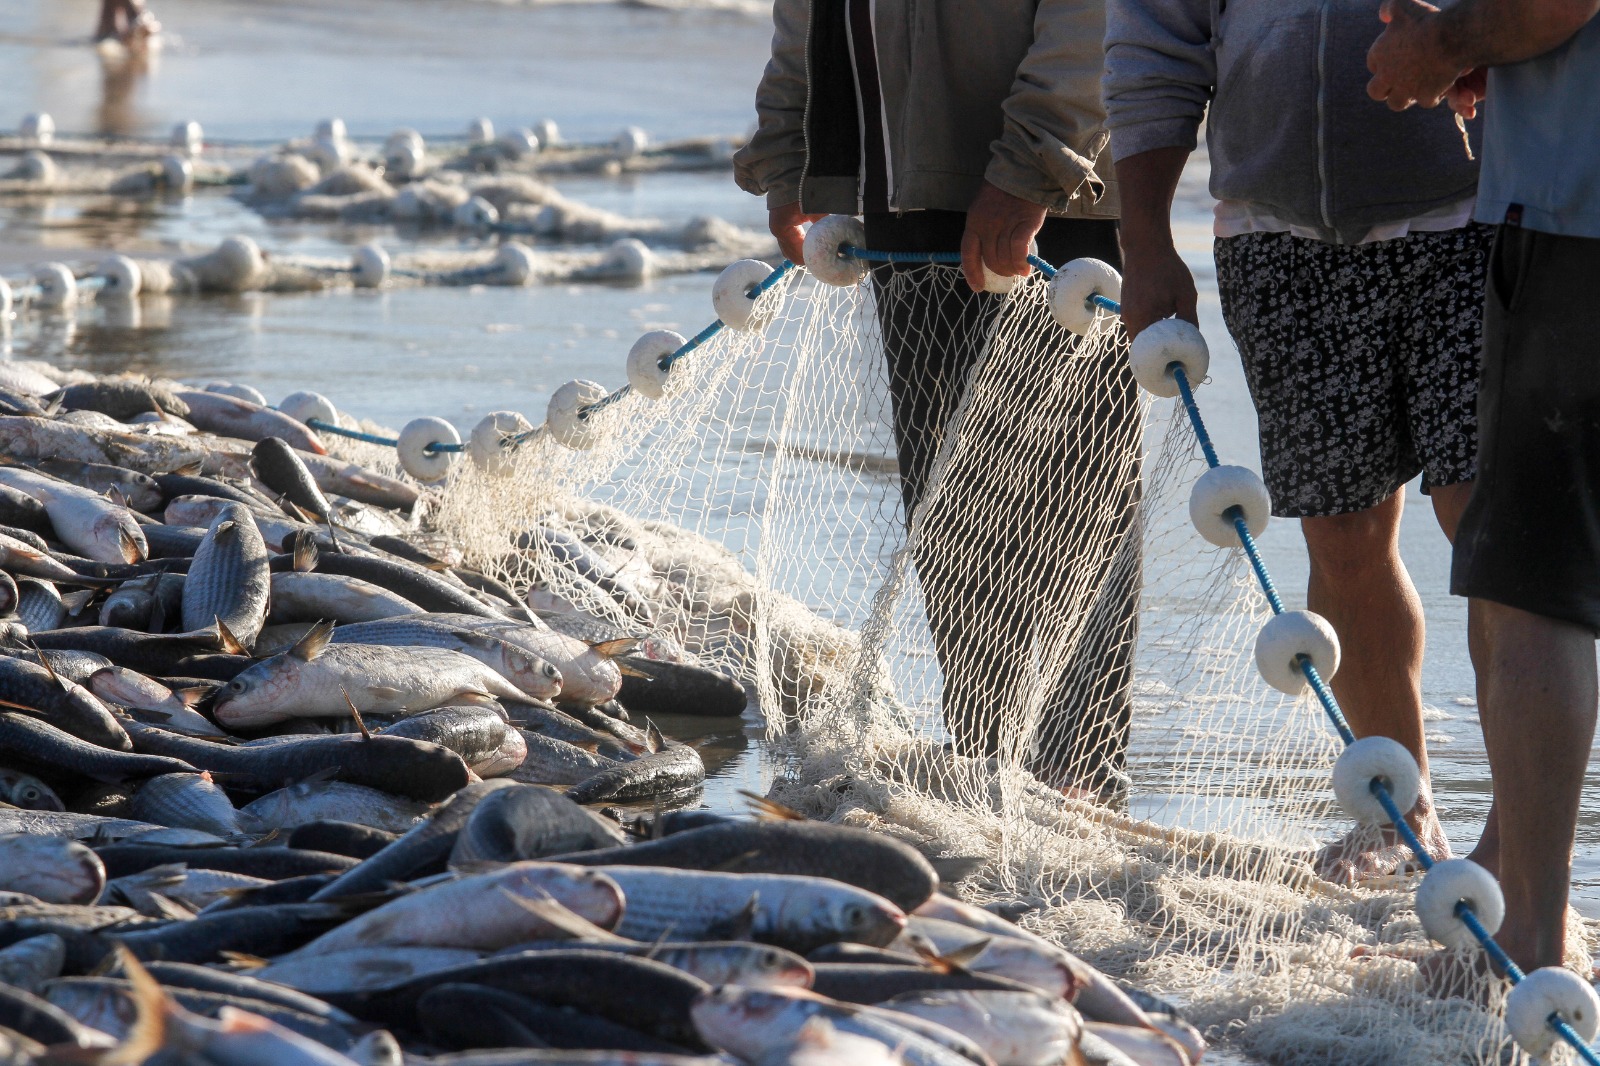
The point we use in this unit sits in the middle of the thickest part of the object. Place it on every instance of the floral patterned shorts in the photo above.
(1362, 361)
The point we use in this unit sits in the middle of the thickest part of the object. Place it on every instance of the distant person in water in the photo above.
(127, 21)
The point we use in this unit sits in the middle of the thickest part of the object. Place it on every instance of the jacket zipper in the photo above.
(1323, 195)
(805, 115)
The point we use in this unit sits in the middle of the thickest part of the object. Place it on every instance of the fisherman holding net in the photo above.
(1529, 549)
(1351, 275)
(977, 125)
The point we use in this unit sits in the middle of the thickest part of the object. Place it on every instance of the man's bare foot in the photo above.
(1464, 975)
(1369, 853)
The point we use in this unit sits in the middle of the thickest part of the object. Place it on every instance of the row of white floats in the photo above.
(237, 260)
(404, 151)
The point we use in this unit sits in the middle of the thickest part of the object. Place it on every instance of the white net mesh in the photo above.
(943, 679)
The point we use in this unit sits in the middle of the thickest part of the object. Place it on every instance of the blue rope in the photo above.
(372, 438)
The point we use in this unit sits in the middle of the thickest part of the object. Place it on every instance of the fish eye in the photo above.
(770, 960)
(30, 793)
(854, 914)
(236, 686)
(551, 672)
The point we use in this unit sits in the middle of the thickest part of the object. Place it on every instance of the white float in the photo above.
(188, 138)
(404, 161)
(564, 418)
(645, 372)
(629, 259)
(514, 262)
(238, 392)
(38, 127)
(519, 142)
(1072, 287)
(1288, 636)
(401, 137)
(1546, 991)
(1161, 344)
(35, 166)
(486, 443)
(57, 286)
(1218, 491)
(1002, 284)
(731, 298)
(304, 406)
(477, 213)
(6, 299)
(177, 174)
(480, 131)
(631, 141)
(548, 132)
(824, 240)
(416, 447)
(1381, 759)
(369, 267)
(1453, 881)
(121, 276)
(330, 129)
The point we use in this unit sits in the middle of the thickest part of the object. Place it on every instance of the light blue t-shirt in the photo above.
(1541, 140)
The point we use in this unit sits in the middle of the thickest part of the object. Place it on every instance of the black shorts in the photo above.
(1530, 538)
(1362, 361)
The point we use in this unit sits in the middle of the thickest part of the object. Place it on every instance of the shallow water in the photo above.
(270, 69)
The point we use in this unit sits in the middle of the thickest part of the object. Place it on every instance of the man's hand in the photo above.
(1156, 284)
(785, 223)
(1470, 90)
(1000, 227)
(1409, 62)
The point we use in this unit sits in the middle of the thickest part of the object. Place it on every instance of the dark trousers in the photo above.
(1029, 546)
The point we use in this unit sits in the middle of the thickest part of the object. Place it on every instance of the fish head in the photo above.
(531, 674)
(260, 694)
(749, 965)
(28, 792)
(749, 1021)
(862, 918)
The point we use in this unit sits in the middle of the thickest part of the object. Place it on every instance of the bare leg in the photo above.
(1359, 584)
(1538, 725)
(107, 28)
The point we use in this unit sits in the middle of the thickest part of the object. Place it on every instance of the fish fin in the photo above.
(731, 864)
(192, 696)
(311, 645)
(44, 661)
(53, 406)
(75, 602)
(305, 555)
(158, 616)
(654, 741)
(115, 495)
(953, 868)
(632, 671)
(19, 707)
(189, 469)
(383, 692)
(327, 773)
(132, 550)
(743, 924)
(771, 810)
(170, 908)
(152, 1008)
(230, 644)
(241, 959)
(475, 696)
(957, 960)
(558, 916)
(616, 647)
(361, 725)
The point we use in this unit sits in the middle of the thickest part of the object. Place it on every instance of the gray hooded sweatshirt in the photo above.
(1289, 125)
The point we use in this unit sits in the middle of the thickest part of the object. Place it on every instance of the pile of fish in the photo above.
(281, 786)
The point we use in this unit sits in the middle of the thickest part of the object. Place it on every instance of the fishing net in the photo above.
(1042, 618)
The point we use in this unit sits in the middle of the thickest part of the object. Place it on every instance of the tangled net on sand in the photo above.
(775, 443)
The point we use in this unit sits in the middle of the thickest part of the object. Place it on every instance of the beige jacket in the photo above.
(1003, 90)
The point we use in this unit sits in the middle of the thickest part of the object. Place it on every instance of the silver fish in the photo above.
(88, 523)
(311, 801)
(28, 792)
(191, 801)
(752, 1023)
(312, 597)
(29, 963)
(317, 678)
(361, 969)
(1013, 1028)
(229, 579)
(538, 679)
